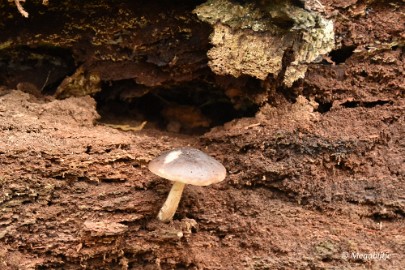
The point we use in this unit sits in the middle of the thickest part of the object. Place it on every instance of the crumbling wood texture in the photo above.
(315, 176)
(154, 43)
(160, 44)
(252, 39)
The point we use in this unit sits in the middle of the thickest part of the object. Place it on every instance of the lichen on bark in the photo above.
(252, 38)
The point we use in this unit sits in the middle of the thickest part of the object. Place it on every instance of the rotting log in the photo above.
(151, 42)
(76, 195)
(161, 44)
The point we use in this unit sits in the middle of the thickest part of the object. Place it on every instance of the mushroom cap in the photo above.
(189, 166)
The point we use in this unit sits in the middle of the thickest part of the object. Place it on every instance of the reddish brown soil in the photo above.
(308, 186)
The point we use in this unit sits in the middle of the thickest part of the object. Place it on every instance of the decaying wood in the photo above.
(316, 172)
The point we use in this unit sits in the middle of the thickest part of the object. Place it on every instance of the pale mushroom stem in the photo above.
(168, 209)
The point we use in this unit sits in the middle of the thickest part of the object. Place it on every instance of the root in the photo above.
(22, 10)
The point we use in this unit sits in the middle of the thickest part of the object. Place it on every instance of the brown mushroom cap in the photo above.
(189, 166)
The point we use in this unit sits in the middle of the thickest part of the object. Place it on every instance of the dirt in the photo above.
(315, 177)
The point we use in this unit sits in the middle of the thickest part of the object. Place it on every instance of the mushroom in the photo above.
(183, 166)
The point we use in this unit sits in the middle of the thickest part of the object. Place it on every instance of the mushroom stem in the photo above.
(168, 209)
